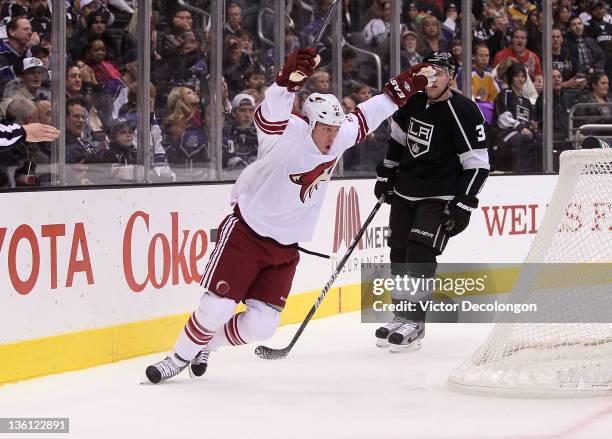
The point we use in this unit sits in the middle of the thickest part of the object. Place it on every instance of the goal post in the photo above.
(566, 352)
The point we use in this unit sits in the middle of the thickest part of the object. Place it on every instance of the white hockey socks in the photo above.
(209, 316)
(257, 323)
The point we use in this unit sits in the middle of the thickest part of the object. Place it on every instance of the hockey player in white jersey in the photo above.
(276, 202)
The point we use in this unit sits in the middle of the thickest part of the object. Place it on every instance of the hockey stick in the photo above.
(327, 19)
(277, 354)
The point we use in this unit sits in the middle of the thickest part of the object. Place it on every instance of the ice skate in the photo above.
(382, 333)
(407, 337)
(167, 368)
(199, 363)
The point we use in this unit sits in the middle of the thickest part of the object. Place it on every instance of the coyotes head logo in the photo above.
(310, 180)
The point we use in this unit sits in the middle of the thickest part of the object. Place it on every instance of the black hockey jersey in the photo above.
(440, 148)
(512, 112)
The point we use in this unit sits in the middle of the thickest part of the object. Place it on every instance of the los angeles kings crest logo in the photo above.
(419, 137)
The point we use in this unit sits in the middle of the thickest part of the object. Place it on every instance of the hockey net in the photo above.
(551, 357)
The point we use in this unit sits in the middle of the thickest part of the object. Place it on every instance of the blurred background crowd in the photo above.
(102, 79)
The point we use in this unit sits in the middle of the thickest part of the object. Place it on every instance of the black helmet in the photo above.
(442, 60)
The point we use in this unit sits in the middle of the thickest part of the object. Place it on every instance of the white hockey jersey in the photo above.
(281, 193)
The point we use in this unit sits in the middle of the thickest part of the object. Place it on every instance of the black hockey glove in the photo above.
(456, 214)
(385, 182)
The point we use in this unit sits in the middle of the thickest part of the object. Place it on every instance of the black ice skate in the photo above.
(199, 363)
(382, 333)
(167, 368)
(407, 337)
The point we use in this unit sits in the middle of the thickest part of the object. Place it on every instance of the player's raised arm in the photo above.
(370, 114)
(272, 115)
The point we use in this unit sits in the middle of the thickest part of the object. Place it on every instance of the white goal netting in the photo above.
(565, 352)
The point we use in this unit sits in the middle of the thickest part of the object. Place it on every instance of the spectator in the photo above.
(31, 71)
(22, 111)
(502, 37)
(300, 99)
(20, 39)
(585, 52)
(562, 60)
(78, 148)
(255, 78)
(81, 85)
(520, 10)
(601, 32)
(524, 56)
(39, 153)
(185, 141)
(484, 86)
(408, 54)
(242, 134)
(95, 27)
(410, 13)
(129, 81)
(41, 18)
(598, 87)
(561, 17)
(234, 20)
(361, 93)
(449, 27)
(94, 55)
(534, 26)
(87, 7)
(514, 115)
(498, 7)
(348, 104)
(181, 22)
(348, 79)
(430, 38)
(559, 110)
(319, 82)
(44, 111)
(121, 151)
(376, 10)
(15, 8)
(456, 50)
(247, 46)
(377, 31)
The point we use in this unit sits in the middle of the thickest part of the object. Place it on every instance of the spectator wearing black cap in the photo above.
(601, 31)
(121, 149)
(449, 26)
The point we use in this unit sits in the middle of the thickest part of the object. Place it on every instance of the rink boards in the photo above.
(93, 276)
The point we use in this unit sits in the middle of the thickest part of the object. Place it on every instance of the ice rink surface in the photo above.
(335, 384)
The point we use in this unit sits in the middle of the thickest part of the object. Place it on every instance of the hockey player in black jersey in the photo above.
(435, 166)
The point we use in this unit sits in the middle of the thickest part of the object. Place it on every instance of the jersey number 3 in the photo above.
(481, 132)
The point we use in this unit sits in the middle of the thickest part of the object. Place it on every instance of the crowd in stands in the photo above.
(102, 78)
